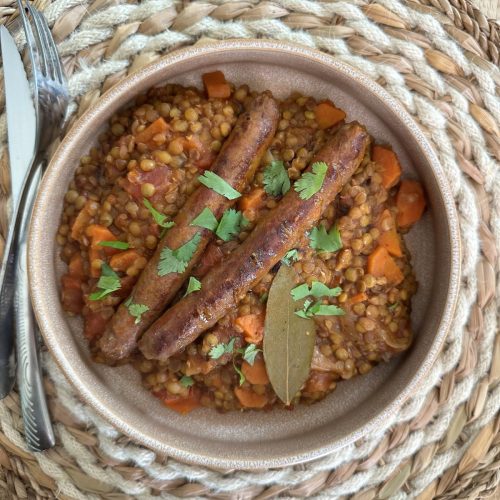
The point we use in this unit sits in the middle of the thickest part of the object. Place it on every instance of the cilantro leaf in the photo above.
(276, 180)
(231, 223)
(249, 353)
(193, 286)
(218, 350)
(205, 219)
(392, 307)
(291, 256)
(219, 185)
(325, 242)
(311, 182)
(119, 245)
(109, 282)
(136, 310)
(319, 309)
(176, 261)
(186, 381)
(240, 373)
(158, 217)
(317, 290)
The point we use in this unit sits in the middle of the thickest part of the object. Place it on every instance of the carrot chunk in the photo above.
(253, 200)
(183, 405)
(327, 114)
(256, 373)
(159, 126)
(82, 220)
(123, 260)
(75, 267)
(216, 85)
(250, 399)
(252, 326)
(381, 264)
(410, 202)
(390, 241)
(391, 172)
(359, 297)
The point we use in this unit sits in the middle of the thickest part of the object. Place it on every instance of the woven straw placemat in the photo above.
(440, 59)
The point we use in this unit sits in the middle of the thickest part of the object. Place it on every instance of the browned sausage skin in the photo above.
(236, 164)
(274, 235)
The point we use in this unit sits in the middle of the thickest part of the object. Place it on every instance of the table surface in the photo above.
(491, 8)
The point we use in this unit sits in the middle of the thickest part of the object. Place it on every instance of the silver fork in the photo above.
(51, 101)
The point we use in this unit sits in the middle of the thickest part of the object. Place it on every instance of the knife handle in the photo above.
(8, 282)
(38, 430)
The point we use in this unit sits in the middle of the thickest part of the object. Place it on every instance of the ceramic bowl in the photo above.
(257, 439)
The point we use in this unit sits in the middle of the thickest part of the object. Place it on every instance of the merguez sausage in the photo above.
(236, 164)
(274, 235)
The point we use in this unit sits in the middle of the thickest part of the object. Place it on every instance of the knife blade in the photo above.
(21, 133)
(21, 117)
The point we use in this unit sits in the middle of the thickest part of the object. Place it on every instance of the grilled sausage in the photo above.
(236, 164)
(279, 230)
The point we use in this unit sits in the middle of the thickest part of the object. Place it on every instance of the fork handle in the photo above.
(7, 284)
(38, 430)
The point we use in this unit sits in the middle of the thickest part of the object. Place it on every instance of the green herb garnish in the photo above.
(220, 349)
(136, 310)
(109, 282)
(392, 307)
(219, 185)
(239, 372)
(158, 217)
(263, 297)
(186, 381)
(324, 241)
(230, 225)
(311, 309)
(119, 245)
(317, 290)
(176, 261)
(193, 286)
(310, 182)
(205, 219)
(290, 257)
(276, 180)
(249, 353)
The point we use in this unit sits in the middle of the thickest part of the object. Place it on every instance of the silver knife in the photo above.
(21, 131)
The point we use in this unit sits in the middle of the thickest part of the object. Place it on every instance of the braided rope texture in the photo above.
(445, 441)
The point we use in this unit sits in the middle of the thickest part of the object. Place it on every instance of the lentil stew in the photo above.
(153, 158)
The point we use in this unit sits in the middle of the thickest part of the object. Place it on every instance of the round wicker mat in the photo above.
(440, 58)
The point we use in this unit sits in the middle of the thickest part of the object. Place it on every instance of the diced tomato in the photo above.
(160, 177)
(94, 325)
(71, 294)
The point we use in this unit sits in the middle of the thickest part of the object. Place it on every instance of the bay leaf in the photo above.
(288, 339)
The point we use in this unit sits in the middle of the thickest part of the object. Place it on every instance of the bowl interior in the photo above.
(255, 439)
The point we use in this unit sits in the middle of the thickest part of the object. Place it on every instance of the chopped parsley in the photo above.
(109, 282)
(186, 381)
(136, 310)
(119, 245)
(311, 182)
(205, 219)
(318, 309)
(193, 286)
(249, 353)
(317, 290)
(324, 241)
(176, 261)
(220, 349)
(231, 223)
(240, 373)
(219, 185)
(276, 180)
(158, 217)
(290, 257)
